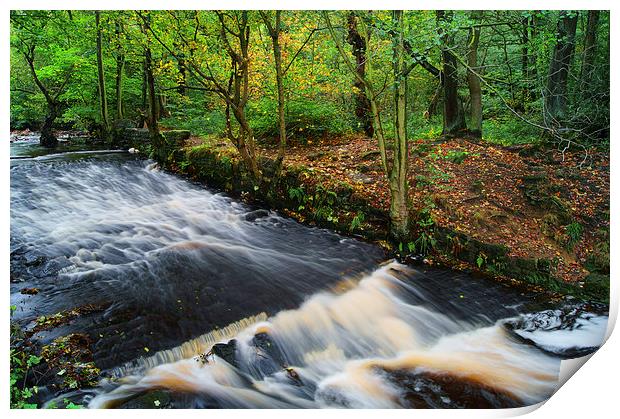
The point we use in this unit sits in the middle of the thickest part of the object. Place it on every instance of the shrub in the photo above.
(304, 118)
(198, 120)
(573, 233)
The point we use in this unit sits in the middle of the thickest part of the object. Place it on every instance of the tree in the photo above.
(120, 66)
(103, 101)
(396, 167)
(453, 117)
(358, 48)
(274, 32)
(557, 81)
(151, 95)
(29, 32)
(589, 48)
(475, 92)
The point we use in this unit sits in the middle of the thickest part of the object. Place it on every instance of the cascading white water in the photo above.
(341, 350)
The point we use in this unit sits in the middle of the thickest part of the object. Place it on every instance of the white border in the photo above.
(591, 393)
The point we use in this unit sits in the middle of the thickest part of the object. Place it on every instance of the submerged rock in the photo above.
(255, 215)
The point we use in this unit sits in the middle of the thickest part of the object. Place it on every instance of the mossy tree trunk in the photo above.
(399, 210)
(475, 92)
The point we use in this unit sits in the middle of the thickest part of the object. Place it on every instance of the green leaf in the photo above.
(33, 360)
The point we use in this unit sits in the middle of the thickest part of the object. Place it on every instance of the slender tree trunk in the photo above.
(274, 33)
(434, 102)
(120, 70)
(144, 97)
(453, 118)
(103, 101)
(557, 83)
(149, 92)
(358, 47)
(182, 89)
(589, 49)
(151, 119)
(475, 92)
(277, 54)
(237, 94)
(399, 209)
(525, 59)
(396, 169)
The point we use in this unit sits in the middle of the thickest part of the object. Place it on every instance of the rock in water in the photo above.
(226, 351)
(133, 150)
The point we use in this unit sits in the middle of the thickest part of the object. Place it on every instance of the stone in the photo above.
(226, 351)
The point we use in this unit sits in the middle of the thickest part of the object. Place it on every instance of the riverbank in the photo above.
(527, 214)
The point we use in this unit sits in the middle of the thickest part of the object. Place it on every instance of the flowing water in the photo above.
(219, 304)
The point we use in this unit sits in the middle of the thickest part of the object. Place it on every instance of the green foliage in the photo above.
(195, 118)
(323, 201)
(320, 203)
(424, 129)
(598, 260)
(357, 221)
(573, 233)
(21, 363)
(456, 156)
(305, 119)
(509, 131)
(299, 195)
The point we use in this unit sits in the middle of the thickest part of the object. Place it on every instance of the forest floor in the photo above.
(522, 197)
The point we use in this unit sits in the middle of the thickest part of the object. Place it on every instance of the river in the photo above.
(303, 317)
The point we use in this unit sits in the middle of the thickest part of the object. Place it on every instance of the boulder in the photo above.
(226, 351)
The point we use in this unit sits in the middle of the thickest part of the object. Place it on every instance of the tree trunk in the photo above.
(274, 33)
(103, 101)
(399, 211)
(182, 89)
(48, 139)
(120, 70)
(525, 59)
(589, 49)
(277, 54)
(358, 47)
(151, 118)
(453, 118)
(475, 92)
(434, 102)
(557, 83)
(148, 88)
(396, 169)
(237, 93)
